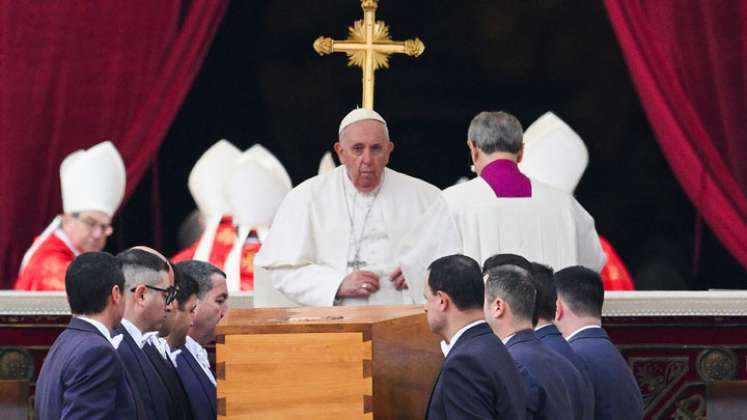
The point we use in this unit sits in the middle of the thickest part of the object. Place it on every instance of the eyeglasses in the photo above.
(169, 292)
(92, 225)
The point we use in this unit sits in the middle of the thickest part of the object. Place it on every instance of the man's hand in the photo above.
(358, 284)
(398, 279)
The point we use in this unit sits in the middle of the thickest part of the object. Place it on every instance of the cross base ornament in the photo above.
(368, 46)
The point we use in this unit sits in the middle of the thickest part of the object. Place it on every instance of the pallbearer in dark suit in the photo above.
(579, 318)
(509, 308)
(573, 367)
(82, 376)
(192, 363)
(163, 352)
(478, 379)
(149, 287)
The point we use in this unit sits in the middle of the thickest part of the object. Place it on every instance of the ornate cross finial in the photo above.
(368, 46)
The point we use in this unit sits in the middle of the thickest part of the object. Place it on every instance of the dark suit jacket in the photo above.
(616, 392)
(148, 385)
(573, 370)
(478, 380)
(179, 403)
(200, 390)
(83, 378)
(548, 396)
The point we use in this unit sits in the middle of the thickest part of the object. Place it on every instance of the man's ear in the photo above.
(474, 151)
(116, 293)
(339, 151)
(559, 309)
(444, 301)
(139, 293)
(520, 155)
(497, 308)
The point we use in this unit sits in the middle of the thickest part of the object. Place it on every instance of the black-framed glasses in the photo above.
(169, 292)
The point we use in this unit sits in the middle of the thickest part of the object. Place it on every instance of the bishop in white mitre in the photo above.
(337, 238)
(504, 211)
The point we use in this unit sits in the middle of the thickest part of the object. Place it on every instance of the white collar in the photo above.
(139, 337)
(588, 327)
(539, 327)
(446, 347)
(61, 235)
(506, 340)
(200, 354)
(164, 350)
(103, 330)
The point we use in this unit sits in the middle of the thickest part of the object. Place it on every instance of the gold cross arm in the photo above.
(368, 46)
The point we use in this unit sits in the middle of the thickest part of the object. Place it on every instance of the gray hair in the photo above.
(514, 285)
(201, 272)
(496, 132)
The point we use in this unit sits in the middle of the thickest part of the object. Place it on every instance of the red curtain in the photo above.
(688, 61)
(74, 73)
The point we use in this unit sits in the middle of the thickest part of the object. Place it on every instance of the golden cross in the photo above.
(368, 46)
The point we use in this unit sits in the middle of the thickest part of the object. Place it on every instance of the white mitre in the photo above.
(554, 153)
(91, 179)
(360, 114)
(208, 175)
(326, 164)
(206, 186)
(265, 158)
(254, 193)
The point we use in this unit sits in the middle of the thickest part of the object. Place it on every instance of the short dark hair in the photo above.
(506, 259)
(89, 280)
(544, 282)
(581, 289)
(201, 272)
(186, 287)
(459, 277)
(514, 285)
(136, 265)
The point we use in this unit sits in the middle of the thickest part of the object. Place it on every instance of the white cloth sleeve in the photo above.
(588, 248)
(308, 285)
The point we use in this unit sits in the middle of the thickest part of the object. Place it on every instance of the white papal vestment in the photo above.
(324, 222)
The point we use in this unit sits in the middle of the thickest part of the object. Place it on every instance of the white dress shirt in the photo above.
(539, 327)
(115, 341)
(139, 337)
(506, 340)
(588, 327)
(162, 346)
(446, 347)
(200, 354)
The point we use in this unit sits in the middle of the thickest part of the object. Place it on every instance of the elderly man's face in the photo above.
(87, 230)
(364, 149)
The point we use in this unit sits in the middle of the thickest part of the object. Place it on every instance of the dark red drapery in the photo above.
(688, 61)
(74, 73)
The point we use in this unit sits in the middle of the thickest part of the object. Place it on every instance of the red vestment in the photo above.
(614, 274)
(45, 270)
(222, 244)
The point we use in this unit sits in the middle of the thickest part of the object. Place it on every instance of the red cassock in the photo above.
(614, 274)
(224, 238)
(45, 270)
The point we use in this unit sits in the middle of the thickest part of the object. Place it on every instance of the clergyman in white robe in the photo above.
(309, 245)
(326, 229)
(503, 211)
